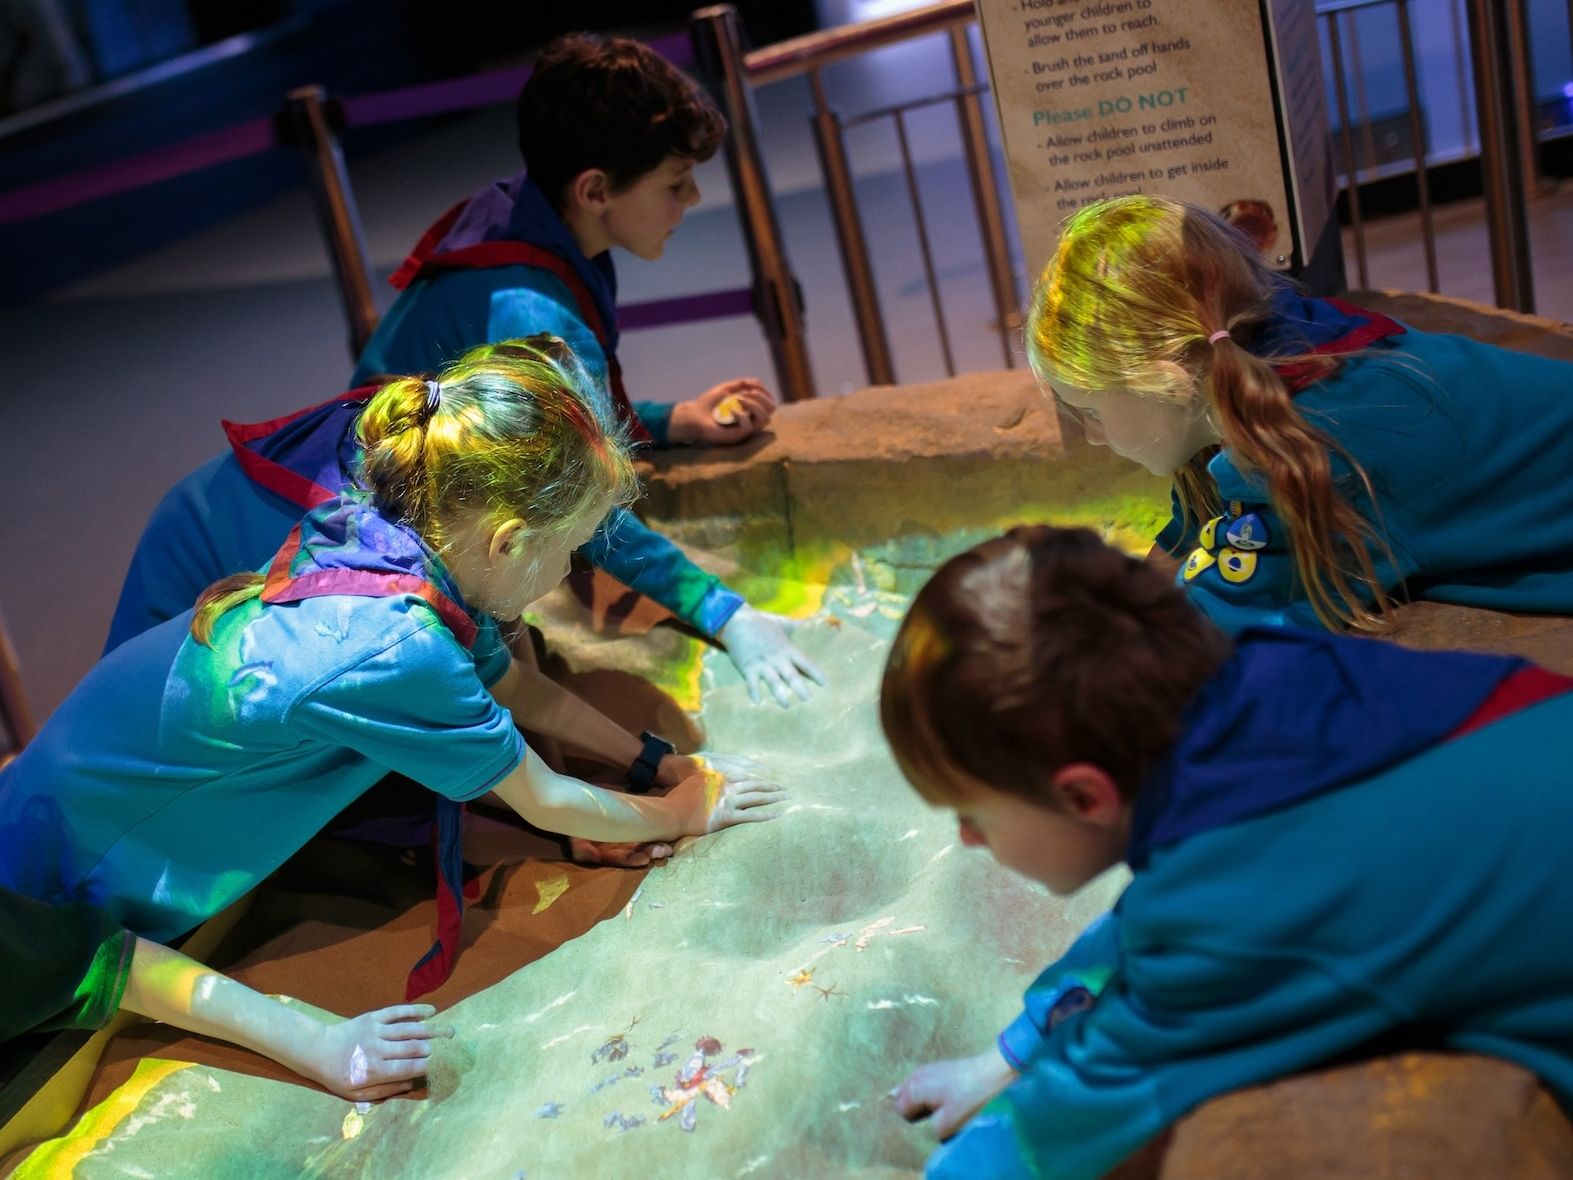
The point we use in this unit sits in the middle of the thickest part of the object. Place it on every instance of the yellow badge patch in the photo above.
(1208, 537)
(1236, 566)
(1199, 560)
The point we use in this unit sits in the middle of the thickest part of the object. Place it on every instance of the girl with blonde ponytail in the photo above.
(195, 759)
(1326, 460)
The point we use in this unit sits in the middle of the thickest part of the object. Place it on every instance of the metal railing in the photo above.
(1496, 34)
(808, 56)
(1497, 43)
(311, 121)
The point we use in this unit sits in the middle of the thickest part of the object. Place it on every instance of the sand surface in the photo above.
(741, 1010)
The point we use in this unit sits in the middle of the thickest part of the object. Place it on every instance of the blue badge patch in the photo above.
(1249, 532)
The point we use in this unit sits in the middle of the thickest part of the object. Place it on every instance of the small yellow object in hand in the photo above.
(727, 410)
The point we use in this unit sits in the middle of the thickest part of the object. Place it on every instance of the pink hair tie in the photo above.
(1220, 334)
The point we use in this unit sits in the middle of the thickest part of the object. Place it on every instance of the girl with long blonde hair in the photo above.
(1326, 460)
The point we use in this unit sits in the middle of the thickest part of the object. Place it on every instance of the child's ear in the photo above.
(588, 191)
(508, 537)
(1086, 792)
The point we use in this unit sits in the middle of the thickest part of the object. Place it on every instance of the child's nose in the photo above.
(970, 836)
(691, 197)
(1094, 432)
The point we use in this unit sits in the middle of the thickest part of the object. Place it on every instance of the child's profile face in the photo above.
(1061, 849)
(504, 578)
(645, 214)
(1159, 434)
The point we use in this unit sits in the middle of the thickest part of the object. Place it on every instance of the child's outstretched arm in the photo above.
(700, 804)
(373, 1056)
(953, 1091)
(1174, 1030)
(538, 703)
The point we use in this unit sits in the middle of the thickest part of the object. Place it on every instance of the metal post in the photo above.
(1357, 72)
(337, 215)
(718, 48)
(849, 235)
(1417, 137)
(923, 242)
(1523, 94)
(985, 194)
(16, 717)
(1351, 168)
(1461, 69)
(1507, 223)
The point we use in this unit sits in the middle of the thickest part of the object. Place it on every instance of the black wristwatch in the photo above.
(641, 775)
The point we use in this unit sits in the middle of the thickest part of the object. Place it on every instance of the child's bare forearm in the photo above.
(168, 986)
(541, 705)
(559, 803)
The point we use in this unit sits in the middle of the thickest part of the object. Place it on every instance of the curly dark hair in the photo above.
(596, 101)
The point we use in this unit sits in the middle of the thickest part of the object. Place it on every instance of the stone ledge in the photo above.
(1429, 1115)
(891, 460)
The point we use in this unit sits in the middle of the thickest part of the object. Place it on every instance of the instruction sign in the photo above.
(1216, 102)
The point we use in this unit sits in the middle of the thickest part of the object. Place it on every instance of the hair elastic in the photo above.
(1220, 334)
(433, 398)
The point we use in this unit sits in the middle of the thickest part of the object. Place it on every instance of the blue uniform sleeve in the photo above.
(642, 559)
(1177, 1025)
(1070, 984)
(68, 964)
(547, 306)
(417, 707)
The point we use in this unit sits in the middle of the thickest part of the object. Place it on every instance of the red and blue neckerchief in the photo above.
(1295, 714)
(1323, 327)
(508, 223)
(306, 457)
(344, 546)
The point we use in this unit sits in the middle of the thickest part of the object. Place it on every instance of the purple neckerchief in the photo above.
(1298, 713)
(307, 457)
(345, 546)
(516, 210)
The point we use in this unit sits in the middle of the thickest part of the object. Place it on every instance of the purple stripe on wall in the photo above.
(257, 135)
(166, 163)
(712, 305)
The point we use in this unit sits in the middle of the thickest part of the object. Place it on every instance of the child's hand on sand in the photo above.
(709, 801)
(724, 414)
(951, 1092)
(374, 1056)
(765, 657)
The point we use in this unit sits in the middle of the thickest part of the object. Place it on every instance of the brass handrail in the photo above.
(799, 55)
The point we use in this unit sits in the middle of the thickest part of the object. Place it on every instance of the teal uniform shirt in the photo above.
(440, 315)
(1428, 902)
(176, 776)
(1469, 449)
